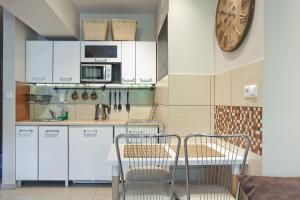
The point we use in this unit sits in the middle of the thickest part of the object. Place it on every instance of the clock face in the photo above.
(233, 21)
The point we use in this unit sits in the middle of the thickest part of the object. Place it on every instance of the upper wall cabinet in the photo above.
(66, 62)
(128, 62)
(39, 61)
(145, 62)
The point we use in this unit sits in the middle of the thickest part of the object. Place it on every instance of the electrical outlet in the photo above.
(250, 91)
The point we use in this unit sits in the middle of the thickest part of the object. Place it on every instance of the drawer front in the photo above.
(53, 153)
(26, 152)
(88, 150)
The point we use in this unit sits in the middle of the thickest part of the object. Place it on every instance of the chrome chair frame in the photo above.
(216, 136)
(143, 137)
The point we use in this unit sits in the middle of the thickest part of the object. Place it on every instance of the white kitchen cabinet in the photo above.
(53, 153)
(26, 153)
(88, 150)
(145, 62)
(128, 62)
(39, 61)
(66, 62)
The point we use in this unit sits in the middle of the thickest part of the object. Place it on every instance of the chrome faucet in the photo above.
(102, 112)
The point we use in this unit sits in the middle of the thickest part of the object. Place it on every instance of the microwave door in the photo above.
(92, 73)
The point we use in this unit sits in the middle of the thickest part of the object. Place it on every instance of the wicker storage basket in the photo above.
(95, 29)
(123, 29)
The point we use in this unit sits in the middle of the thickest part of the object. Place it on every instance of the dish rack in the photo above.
(38, 99)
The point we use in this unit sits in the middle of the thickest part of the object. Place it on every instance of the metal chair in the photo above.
(144, 165)
(216, 159)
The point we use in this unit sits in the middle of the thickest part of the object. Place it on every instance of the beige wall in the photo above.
(184, 96)
(191, 36)
(68, 14)
(229, 86)
(53, 18)
(240, 68)
(201, 75)
(185, 103)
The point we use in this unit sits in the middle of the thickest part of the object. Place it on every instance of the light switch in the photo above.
(250, 91)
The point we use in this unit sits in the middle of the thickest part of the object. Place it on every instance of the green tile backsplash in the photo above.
(141, 101)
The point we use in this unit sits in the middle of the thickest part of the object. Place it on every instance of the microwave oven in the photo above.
(101, 52)
(96, 73)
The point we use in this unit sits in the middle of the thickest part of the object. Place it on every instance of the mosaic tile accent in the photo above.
(246, 120)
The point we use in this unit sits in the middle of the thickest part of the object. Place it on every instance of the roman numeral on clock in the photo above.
(219, 25)
(243, 2)
(243, 18)
(220, 35)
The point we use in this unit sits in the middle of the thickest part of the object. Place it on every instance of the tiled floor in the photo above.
(91, 192)
(57, 193)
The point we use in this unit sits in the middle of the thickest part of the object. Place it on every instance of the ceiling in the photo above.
(116, 6)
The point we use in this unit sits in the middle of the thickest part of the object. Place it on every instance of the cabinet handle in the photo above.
(129, 80)
(52, 133)
(146, 80)
(66, 78)
(25, 133)
(90, 133)
(100, 60)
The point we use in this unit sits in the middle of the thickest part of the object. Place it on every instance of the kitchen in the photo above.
(80, 75)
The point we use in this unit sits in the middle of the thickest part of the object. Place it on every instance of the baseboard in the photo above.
(8, 186)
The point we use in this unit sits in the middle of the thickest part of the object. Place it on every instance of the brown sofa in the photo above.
(270, 188)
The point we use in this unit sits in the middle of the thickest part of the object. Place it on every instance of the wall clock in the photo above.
(233, 21)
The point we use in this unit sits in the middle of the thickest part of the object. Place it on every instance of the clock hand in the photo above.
(227, 13)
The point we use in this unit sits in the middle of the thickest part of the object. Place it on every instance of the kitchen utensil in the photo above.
(120, 105)
(94, 95)
(74, 95)
(65, 97)
(127, 104)
(109, 102)
(85, 95)
(115, 106)
(102, 112)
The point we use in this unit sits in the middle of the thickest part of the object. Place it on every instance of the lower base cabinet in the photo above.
(27, 153)
(53, 153)
(88, 150)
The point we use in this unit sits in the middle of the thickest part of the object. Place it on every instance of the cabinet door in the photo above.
(26, 153)
(89, 147)
(146, 62)
(53, 153)
(66, 62)
(128, 62)
(39, 57)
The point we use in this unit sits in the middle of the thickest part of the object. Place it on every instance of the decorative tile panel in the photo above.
(245, 120)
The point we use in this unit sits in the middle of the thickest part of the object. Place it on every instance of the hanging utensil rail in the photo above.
(103, 88)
